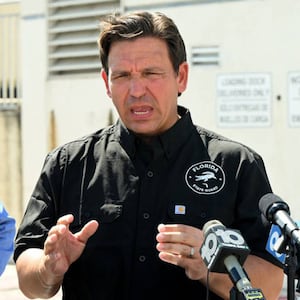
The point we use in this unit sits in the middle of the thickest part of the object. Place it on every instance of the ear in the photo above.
(182, 77)
(105, 79)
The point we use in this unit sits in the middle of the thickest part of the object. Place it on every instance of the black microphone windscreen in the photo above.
(270, 203)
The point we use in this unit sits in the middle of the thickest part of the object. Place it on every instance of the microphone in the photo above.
(225, 250)
(276, 211)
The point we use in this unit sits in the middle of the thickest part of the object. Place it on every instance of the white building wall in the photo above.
(80, 105)
(253, 36)
(34, 79)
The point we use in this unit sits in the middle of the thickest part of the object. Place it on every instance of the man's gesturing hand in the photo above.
(62, 248)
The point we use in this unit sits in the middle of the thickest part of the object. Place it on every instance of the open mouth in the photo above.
(142, 111)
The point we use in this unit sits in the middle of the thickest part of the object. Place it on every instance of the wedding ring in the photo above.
(192, 252)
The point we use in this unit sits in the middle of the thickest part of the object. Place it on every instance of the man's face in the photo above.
(143, 85)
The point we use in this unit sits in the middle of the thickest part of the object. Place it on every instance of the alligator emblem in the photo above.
(205, 176)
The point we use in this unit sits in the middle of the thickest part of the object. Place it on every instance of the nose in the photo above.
(137, 86)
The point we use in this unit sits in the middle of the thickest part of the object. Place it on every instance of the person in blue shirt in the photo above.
(7, 234)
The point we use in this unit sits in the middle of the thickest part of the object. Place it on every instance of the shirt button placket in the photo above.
(146, 216)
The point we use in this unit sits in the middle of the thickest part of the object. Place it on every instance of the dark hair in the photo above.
(140, 24)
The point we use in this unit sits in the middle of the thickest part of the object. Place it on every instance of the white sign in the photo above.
(294, 99)
(244, 100)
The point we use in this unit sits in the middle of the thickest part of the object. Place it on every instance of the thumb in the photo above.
(87, 231)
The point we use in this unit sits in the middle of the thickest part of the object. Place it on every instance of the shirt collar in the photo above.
(171, 140)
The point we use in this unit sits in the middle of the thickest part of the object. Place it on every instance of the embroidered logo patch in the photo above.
(205, 177)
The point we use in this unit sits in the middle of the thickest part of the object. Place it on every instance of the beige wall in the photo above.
(10, 136)
(11, 161)
(9, 8)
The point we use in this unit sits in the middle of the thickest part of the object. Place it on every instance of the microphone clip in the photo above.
(246, 294)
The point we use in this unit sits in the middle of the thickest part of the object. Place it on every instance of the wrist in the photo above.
(47, 283)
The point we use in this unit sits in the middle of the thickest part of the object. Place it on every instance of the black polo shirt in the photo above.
(187, 175)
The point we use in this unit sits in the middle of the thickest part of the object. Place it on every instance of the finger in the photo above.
(178, 249)
(172, 258)
(57, 229)
(173, 237)
(175, 228)
(181, 260)
(55, 234)
(66, 220)
(54, 237)
(51, 244)
(87, 231)
(180, 233)
(62, 225)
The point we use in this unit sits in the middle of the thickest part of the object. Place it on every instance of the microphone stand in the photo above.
(242, 288)
(298, 270)
(291, 263)
(287, 246)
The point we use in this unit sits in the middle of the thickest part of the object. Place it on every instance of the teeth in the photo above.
(140, 112)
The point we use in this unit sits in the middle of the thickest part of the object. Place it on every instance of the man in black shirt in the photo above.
(119, 214)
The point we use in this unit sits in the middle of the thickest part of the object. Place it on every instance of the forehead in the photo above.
(138, 50)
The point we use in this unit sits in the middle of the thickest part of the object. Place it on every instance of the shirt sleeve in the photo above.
(253, 184)
(41, 212)
(7, 234)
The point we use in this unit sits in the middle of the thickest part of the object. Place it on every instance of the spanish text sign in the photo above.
(294, 99)
(244, 100)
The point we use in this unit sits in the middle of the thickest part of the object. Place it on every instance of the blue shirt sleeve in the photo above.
(7, 234)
